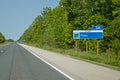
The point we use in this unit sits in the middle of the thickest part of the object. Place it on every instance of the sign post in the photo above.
(97, 48)
(95, 33)
(86, 46)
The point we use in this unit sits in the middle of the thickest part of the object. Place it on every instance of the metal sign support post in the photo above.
(87, 46)
(97, 48)
(76, 45)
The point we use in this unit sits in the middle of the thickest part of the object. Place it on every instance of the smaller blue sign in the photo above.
(95, 27)
(76, 34)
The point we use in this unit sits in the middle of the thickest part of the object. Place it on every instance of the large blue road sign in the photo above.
(88, 34)
(96, 27)
(92, 34)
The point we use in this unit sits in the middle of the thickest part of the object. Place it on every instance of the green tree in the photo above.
(10, 40)
(54, 27)
(2, 38)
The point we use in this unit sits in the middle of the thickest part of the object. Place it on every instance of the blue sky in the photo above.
(17, 15)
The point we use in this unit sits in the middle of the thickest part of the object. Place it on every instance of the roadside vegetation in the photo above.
(3, 41)
(2, 38)
(9, 40)
(53, 30)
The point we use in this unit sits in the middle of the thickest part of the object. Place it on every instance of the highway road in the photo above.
(77, 69)
(16, 63)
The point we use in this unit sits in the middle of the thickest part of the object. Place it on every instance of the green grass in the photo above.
(5, 43)
(106, 60)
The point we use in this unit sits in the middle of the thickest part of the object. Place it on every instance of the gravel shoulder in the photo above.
(77, 69)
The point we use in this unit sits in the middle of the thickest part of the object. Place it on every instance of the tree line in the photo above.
(2, 38)
(54, 27)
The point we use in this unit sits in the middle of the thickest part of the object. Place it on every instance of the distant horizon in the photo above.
(17, 16)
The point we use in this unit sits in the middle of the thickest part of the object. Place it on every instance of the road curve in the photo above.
(16, 63)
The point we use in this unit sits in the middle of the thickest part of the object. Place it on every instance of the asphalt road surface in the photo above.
(16, 63)
(77, 69)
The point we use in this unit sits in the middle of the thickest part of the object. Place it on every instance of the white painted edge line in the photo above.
(53, 67)
(50, 65)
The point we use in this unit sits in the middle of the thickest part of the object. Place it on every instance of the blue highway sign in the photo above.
(88, 34)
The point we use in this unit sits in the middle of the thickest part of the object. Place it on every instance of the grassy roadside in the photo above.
(5, 43)
(105, 60)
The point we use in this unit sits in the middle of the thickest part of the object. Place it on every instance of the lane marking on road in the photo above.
(50, 64)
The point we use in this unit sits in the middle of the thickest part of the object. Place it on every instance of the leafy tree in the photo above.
(116, 46)
(2, 38)
(10, 40)
(116, 6)
(54, 27)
